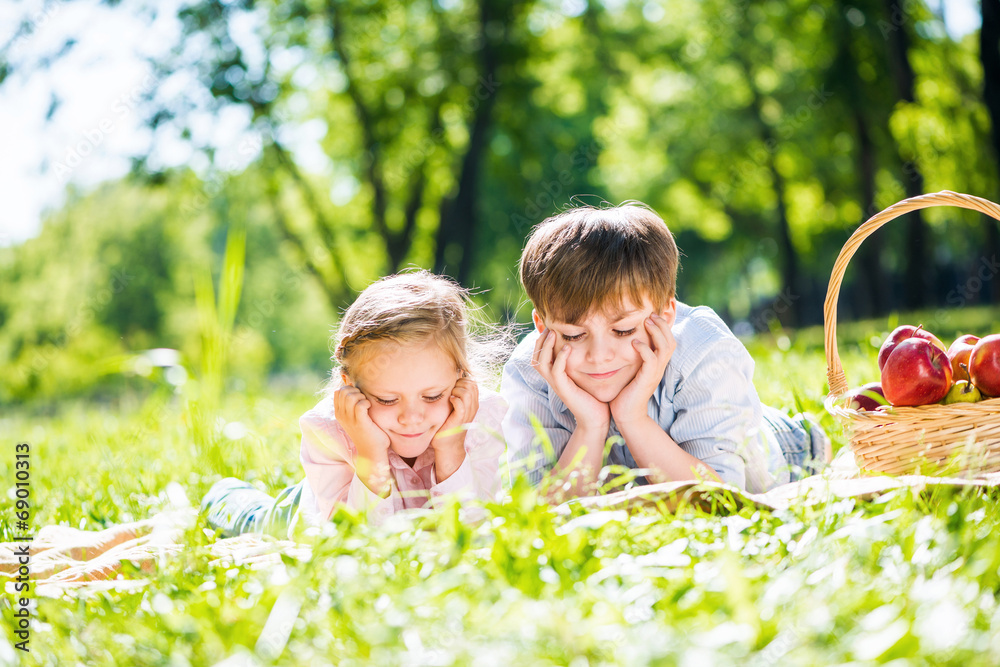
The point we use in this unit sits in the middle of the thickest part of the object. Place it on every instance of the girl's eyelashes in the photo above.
(393, 401)
(571, 338)
(623, 334)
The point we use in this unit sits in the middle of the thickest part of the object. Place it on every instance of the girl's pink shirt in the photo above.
(328, 458)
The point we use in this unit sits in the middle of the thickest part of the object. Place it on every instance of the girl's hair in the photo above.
(408, 308)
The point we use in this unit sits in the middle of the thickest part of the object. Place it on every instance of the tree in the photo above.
(863, 103)
(920, 273)
(406, 100)
(989, 53)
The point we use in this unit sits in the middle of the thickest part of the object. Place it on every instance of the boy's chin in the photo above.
(604, 394)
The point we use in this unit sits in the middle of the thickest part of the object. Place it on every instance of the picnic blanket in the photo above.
(67, 560)
(841, 479)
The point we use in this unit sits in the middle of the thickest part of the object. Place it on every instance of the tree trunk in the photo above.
(919, 277)
(397, 242)
(989, 55)
(459, 218)
(790, 297)
(870, 254)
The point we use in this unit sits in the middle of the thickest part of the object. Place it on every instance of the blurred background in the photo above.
(183, 177)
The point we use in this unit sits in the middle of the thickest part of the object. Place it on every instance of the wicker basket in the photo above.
(961, 438)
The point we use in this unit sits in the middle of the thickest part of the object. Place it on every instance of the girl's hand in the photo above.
(551, 365)
(631, 404)
(351, 407)
(449, 441)
(464, 406)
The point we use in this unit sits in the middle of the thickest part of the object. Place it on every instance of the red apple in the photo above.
(984, 365)
(959, 353)
(917, 372)
(901, 333)
(868, 397)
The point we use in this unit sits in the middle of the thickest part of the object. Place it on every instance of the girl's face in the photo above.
(409, 387)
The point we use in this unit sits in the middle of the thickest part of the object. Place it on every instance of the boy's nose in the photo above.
(600, 351)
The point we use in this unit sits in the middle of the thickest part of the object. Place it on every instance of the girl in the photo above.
(402, 422)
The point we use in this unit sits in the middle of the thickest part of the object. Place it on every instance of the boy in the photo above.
(615, 354)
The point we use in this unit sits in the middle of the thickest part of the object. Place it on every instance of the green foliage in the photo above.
(762, 131)
(114, 273)
(84, 292)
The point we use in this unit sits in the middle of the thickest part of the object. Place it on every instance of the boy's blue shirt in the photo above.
(706, 402)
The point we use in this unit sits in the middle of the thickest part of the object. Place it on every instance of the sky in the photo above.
(97, 125)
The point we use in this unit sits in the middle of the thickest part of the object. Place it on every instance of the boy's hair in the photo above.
(410, 307)
(586, 259)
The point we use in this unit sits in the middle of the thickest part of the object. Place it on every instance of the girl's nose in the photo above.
(411, 413)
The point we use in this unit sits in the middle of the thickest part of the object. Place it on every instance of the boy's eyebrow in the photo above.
(613, 318)
(619, 316)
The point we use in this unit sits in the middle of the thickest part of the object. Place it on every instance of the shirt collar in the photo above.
(426, 458)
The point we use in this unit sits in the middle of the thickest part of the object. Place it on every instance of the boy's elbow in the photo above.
(732, 477)
(730, 469)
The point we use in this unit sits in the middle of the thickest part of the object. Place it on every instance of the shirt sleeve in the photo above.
(717, 410)
(531, 450)
(479, 476)
(327, 456)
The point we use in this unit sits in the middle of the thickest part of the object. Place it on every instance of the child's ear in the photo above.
(537, 319)
(670, 311)
(346, 380)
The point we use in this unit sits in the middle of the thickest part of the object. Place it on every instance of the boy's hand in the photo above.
(551, 365)
(631, 404)
(350, 407)
(464, 406)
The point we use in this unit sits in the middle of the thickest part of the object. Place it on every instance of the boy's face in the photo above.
(602, 359)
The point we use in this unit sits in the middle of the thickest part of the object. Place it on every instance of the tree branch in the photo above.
(334, 296)
(399, 244)
(323, 224)
(379, 203)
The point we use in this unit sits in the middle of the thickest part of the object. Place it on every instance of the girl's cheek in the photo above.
(443, 408)
(379, 414)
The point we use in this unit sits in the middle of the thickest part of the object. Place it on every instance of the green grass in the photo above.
(906, 577)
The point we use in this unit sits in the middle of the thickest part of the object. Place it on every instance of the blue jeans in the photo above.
(235, 507)
(804, 443)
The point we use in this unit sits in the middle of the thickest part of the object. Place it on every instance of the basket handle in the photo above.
(834, 370)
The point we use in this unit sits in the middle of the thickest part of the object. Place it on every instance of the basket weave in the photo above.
(961, 438)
